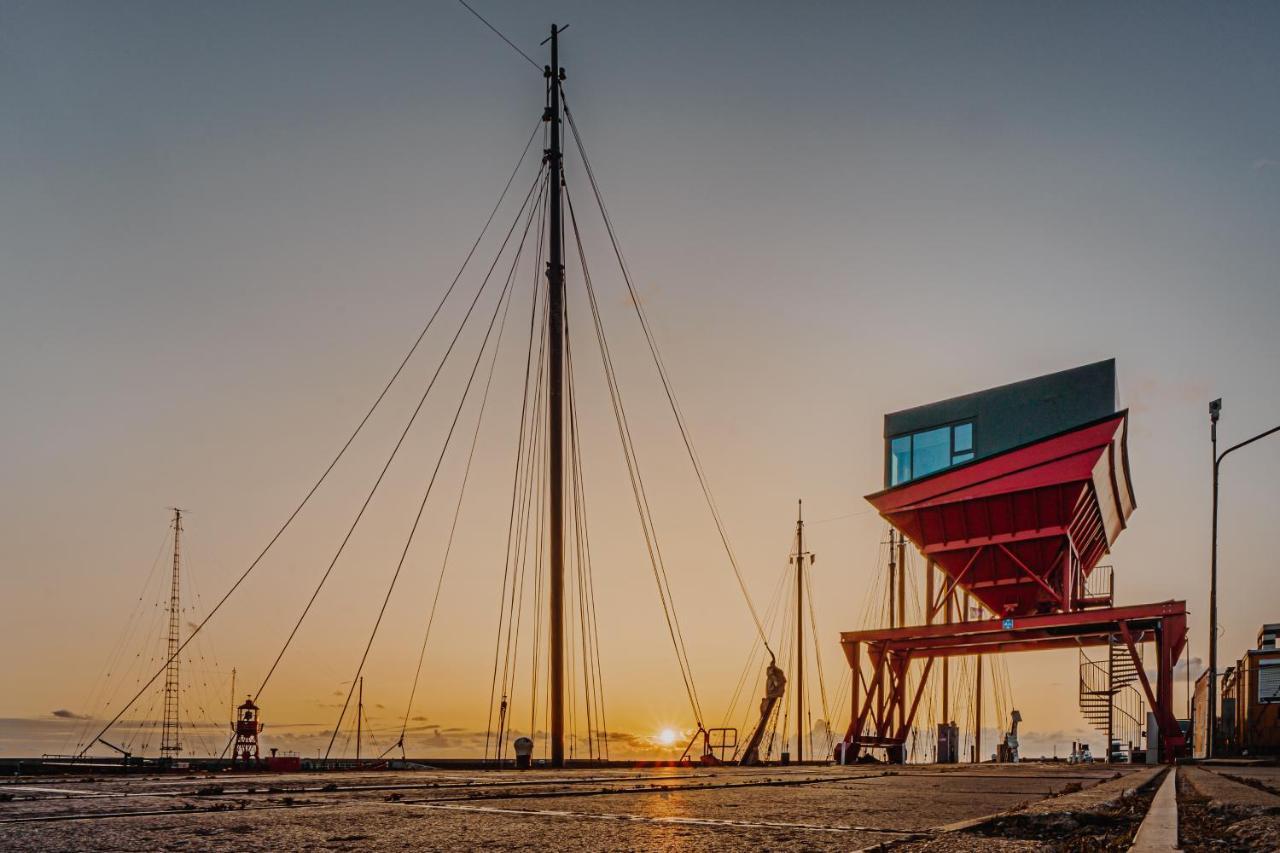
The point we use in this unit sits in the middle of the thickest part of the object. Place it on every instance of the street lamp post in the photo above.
(1215, 410)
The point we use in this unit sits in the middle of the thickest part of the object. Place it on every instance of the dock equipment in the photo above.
(247, 728)
(1007, 749)
(1020, 530)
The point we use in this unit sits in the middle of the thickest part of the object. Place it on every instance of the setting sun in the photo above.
(667, 737)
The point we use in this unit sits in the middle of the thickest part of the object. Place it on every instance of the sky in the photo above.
(223, 225)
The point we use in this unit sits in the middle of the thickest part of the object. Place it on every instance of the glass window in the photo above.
(930, 451)
(900, 460)
(923, 453)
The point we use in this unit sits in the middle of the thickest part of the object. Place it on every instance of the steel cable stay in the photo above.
(583, 575)
(538, 486)
(539, 552)
(785, 582)
(518, 536)
(98, 695)
(208, 663)
(752, 666)
(588, 622)
(663, 374)
(532, 519)
(333, 463)
(789, 649)
(782, 717)
(639, 491)
(515, 515)
(513, 605)
(533, 482)
(497, 311)
(520, 444)
(817, 655)
(773, 612)
(521, 521)
(399, 443)
(453, 527)
(637, 483)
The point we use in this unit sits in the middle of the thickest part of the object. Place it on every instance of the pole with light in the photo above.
(1215, 410)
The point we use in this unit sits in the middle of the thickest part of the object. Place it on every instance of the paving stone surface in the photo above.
(1216, 785)
(793, 808)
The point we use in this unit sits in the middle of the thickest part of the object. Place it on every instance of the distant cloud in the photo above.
(64, 714)
(1196, 665)
(1265, 163)
(419, 719)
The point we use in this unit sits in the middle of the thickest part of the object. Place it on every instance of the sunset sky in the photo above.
(223, 224)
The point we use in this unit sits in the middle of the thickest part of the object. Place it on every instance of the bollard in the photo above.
(524, 753)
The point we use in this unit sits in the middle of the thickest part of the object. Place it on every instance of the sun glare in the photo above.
(667, 737)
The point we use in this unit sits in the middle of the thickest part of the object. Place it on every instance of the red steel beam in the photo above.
(915, 703)
(994, 539)
(1053, 592)
(997, 646)
(1137, 664)
(1102, 618)
(956, 581)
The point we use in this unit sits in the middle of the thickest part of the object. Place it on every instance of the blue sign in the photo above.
(1006, 624)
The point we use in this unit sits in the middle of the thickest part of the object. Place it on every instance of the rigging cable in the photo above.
(587, 597)
(399, 443)
(637, 481)
(662, 373)
(502, 299)
(817, 654)
(98, 692)
(453, 527)
(499, 34)
(508, 571)
(522, 507)
(341, 452)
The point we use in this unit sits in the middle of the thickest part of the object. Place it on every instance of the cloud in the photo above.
(1196, 665)
(64, 714)
(419, 719)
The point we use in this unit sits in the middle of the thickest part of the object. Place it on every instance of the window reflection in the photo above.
(930, 451)
(925, 452)
(900, 460)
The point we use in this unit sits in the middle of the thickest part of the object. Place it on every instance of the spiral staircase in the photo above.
(1109, 698)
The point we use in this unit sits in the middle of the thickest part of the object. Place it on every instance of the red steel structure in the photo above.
(1020, 531)
(247, 728)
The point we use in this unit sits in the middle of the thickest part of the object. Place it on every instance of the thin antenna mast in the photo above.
(169, 745)
(555, 402)
(798, 558)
